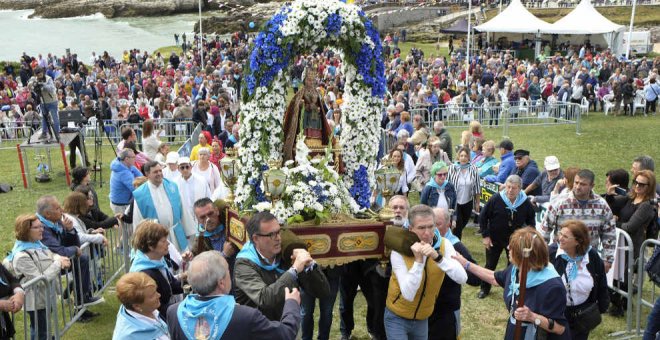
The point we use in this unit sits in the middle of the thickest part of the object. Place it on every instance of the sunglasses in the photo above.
(184, 167)
(639, 184)
(441, 174)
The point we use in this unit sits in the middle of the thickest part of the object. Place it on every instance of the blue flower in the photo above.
(333, 24)
(360, 188)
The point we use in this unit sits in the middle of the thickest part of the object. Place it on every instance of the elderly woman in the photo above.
(202, 142)
(543, 312)
(30, 259)
(138, 316)
(487, 162)
(504, 212)
(633, 213)
(427, 157)
(216, 152)
(465, 179)
(209, 171)
(583, 274)
(152, 247)
(438, 192)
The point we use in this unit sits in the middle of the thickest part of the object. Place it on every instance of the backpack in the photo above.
(4, 188)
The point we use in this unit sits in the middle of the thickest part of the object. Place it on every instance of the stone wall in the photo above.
(387, 18)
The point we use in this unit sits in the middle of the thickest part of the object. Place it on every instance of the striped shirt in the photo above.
(473, 176)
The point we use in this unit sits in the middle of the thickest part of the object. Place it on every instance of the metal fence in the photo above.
(641, 275)
(63, 306)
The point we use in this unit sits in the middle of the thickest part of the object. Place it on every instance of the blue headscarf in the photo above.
(128, 327)
(141, 262)
(217, 313)
(520, 199)
(571, 264)
(55, 226)
(250, 252)
(20, 246)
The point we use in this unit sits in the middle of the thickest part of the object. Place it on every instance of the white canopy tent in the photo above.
(515, 18)
(586, 20)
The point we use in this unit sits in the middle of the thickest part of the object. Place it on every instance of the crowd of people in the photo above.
(269, 287)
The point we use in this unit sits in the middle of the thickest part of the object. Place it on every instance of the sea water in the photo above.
(84, 35)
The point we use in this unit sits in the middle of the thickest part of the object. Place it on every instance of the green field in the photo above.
(606, 143)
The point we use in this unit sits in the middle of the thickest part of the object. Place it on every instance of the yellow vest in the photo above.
(422, 305)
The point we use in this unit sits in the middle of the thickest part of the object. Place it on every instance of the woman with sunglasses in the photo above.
(439, 192)
(633, 213)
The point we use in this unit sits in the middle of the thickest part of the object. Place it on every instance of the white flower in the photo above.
(317, 206)
(337, 202)
(262, 206)
(298, 206)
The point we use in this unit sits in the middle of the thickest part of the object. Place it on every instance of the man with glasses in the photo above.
(192, 187)
(417, 275)
(526, 169)
(504, 213)
(160, 199)
(259, 273)
(584, 205)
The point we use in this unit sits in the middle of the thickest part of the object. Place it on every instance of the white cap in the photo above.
(172, 157)
(183, 160)
(551, 163)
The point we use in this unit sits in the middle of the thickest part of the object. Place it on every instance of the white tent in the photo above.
(515, 18)
(584, 19)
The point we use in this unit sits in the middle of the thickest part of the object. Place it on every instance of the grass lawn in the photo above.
(606, 143)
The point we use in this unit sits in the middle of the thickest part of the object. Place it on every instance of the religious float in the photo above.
(288, 162)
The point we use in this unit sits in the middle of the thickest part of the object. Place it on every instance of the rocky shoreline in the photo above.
(109, 8)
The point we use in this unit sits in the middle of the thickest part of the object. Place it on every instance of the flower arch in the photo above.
(296, 29)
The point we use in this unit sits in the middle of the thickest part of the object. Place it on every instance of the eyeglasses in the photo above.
(184, 167)
(639, 184)
(272, 235)
(37, 227)
(518, 158)
(441, 174)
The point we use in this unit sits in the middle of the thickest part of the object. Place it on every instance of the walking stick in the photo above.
(523, 285)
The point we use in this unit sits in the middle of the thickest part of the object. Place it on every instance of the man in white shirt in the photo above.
(191, 186)
(416, 272)
(160, 199)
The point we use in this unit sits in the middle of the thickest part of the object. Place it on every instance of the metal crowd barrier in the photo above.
(106, 263)
(641, 274)
(169, 130)
(32, 288)
(522, 113)
(623, 253)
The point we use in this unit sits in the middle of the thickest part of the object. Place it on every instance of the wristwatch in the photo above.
(537, 321)
(439, 258)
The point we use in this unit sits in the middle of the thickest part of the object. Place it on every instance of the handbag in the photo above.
(585, 319)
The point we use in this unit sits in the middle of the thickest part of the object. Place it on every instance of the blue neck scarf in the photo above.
(141, 262)
(249, 252)
(520, 199)
(131, 328)
(451, 237)
(216, 313)
(534, 278)
(215, 232)
(572, 264)
(435, 184)
(149, 211)
(20, 246)
(54, 226)
(460, 166)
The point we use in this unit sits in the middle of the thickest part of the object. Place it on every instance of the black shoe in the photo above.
(482, 294)
(345, 337)
(91, 301)
(615, 311)
(87, 316)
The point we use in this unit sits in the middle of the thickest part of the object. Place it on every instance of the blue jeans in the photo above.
(653, 322)
(326, 305)
(46, 110)
(401, 329)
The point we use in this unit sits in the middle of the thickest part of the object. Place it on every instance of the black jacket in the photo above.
(496, 222)
(166, 287)
(596, 268)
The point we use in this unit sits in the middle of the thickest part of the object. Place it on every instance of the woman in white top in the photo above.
(427, 157)
(75, 206)
(583, 273)
(206, 169)
(150, 141)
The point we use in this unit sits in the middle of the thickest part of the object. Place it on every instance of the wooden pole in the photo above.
(517, 335)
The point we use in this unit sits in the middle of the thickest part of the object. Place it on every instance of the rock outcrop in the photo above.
(236, 17)
(109, 8)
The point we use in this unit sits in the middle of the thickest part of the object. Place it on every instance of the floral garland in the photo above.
(297, 29)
